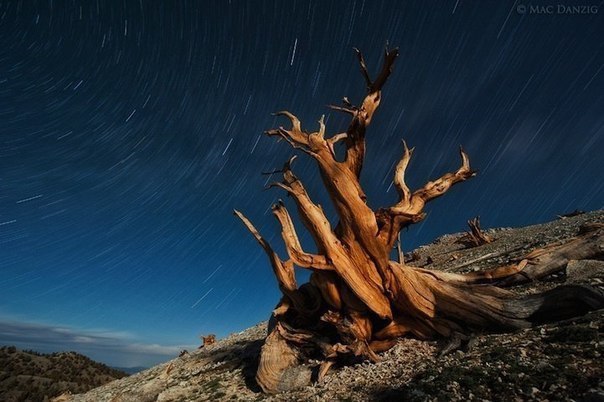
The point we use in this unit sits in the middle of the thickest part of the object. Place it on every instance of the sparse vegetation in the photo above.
(32, 376)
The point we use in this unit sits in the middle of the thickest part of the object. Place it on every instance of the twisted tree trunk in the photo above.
(358, 301)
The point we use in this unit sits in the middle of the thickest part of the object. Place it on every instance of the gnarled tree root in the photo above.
(462, 304)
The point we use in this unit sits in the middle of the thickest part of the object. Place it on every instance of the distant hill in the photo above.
(130, 370)
(32, 376)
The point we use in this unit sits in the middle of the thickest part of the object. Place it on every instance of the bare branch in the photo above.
(300, 143)
(337, 138)
(399, 174)
(438, 187)
(364, 71)
(296, 125)
(331, 142)
(288, 165)
(292, 242)
(313, 144)
(389, 58)
(296, 137)
(348, 110)
(312, 215)
(271, 172)
(409, 209)
(280, 185)
(284, 271)
(321, 132)
(355, 142)
(364, 281)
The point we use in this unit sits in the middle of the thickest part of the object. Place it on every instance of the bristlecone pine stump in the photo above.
(358, 301)
(476, 237)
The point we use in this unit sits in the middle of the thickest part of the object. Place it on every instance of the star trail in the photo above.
(130, 130)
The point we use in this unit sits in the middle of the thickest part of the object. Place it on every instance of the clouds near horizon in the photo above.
(117, 349)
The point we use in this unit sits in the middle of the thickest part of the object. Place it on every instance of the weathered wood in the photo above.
(358, 302)
(476, 237)
(207, 340)
(279, 366)
(538, 264)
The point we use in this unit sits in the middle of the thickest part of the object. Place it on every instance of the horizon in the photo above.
(131, 132)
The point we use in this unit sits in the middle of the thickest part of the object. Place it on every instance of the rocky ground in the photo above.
(560, 361)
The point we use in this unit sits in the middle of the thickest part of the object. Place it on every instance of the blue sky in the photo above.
(131, 130)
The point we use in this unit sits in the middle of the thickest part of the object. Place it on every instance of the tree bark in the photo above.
(358, 302)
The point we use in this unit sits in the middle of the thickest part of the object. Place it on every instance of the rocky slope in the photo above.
(32, 376)
(561, 361)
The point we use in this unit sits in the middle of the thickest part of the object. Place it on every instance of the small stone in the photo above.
(543, 365)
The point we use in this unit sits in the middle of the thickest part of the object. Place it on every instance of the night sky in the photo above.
(129, 131)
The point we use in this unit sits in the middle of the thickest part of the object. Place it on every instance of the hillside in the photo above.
(559, 361)
(32, 376)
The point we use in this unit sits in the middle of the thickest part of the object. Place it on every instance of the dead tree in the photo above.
(476, 237)
(358, 302)
(207, 340)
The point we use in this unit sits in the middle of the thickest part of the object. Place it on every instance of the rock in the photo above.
(584, 271)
